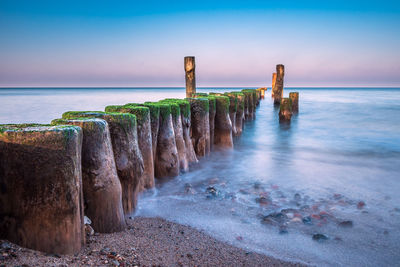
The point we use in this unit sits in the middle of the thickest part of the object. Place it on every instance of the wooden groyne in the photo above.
(287, 106)
(95, 163)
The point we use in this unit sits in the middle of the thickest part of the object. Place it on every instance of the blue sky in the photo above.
(236, 43)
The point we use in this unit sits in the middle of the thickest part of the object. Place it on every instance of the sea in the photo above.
(324, 190)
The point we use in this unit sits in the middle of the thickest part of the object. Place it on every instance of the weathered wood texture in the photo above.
(190, 76)
(41, 202)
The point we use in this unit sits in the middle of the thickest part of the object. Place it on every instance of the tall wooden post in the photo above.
(190, 76)
(280, 72)
(273, 84)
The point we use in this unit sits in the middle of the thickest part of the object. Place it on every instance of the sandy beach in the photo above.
(146, 242)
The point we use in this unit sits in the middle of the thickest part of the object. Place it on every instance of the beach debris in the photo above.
(189, 189)
(360, 205)
(319, 237)
(307, 220)
(213, 181)
(283, 229)
(346, 224)
(212, 192)
(274, 218)
(263, 200)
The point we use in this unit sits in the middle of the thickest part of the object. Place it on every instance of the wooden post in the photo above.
(285, 110)
(280, 72)
(178, 130)
(128, 159)
(102, 189)
(273, 84)
(295, 101)
(143, 119)
(223, 124)
(200, 132)
(233, 105)
(41, 202)
(190, 76)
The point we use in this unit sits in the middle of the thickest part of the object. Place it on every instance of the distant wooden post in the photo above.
(280, 72)
(273, 84)
(285, 111)
(190, 76)
(295, 101)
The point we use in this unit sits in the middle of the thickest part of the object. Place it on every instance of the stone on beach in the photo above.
(223, 125)
(41, 187)
(144, 139)
(102, 190)
(127, 155)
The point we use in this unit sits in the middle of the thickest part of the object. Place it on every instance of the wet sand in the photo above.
(146, 242)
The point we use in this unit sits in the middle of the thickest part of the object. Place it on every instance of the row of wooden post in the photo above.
(287, 106)
(94, 163)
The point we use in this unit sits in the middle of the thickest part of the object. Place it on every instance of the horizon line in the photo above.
(177, 87)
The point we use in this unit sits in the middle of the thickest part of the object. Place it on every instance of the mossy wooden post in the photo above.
(273, 88)
(186, 124)
(233, 104)
(211, 118)
(285, 110)
(263, 89)
(128, 159)
(178, 130)
(294, 96)
(280, 72)
(239, 112)
(102, 190)
(41, 202)
(190, 76)
(223, 125)
(211, 112)
(155, 124)
(144, 139)
(249, 104)
(200, 131)
(166, 163)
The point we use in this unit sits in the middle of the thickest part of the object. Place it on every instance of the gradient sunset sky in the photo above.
(236, 43)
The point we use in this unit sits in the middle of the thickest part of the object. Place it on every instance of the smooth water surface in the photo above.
(333, 171)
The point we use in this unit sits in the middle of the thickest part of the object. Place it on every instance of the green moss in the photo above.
(200, 95)
(233, 102)
(142, 113)
(165, 110)
(175, 106)
(184, 105)
(223, 101)
(215, 94)
(202, 102)
(126, 121)
(286, 104)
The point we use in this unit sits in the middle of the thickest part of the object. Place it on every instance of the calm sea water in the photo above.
(338, 161)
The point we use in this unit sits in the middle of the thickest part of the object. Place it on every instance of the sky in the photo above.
(236, 43)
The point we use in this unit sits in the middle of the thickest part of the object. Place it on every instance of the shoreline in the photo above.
(146, 242)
